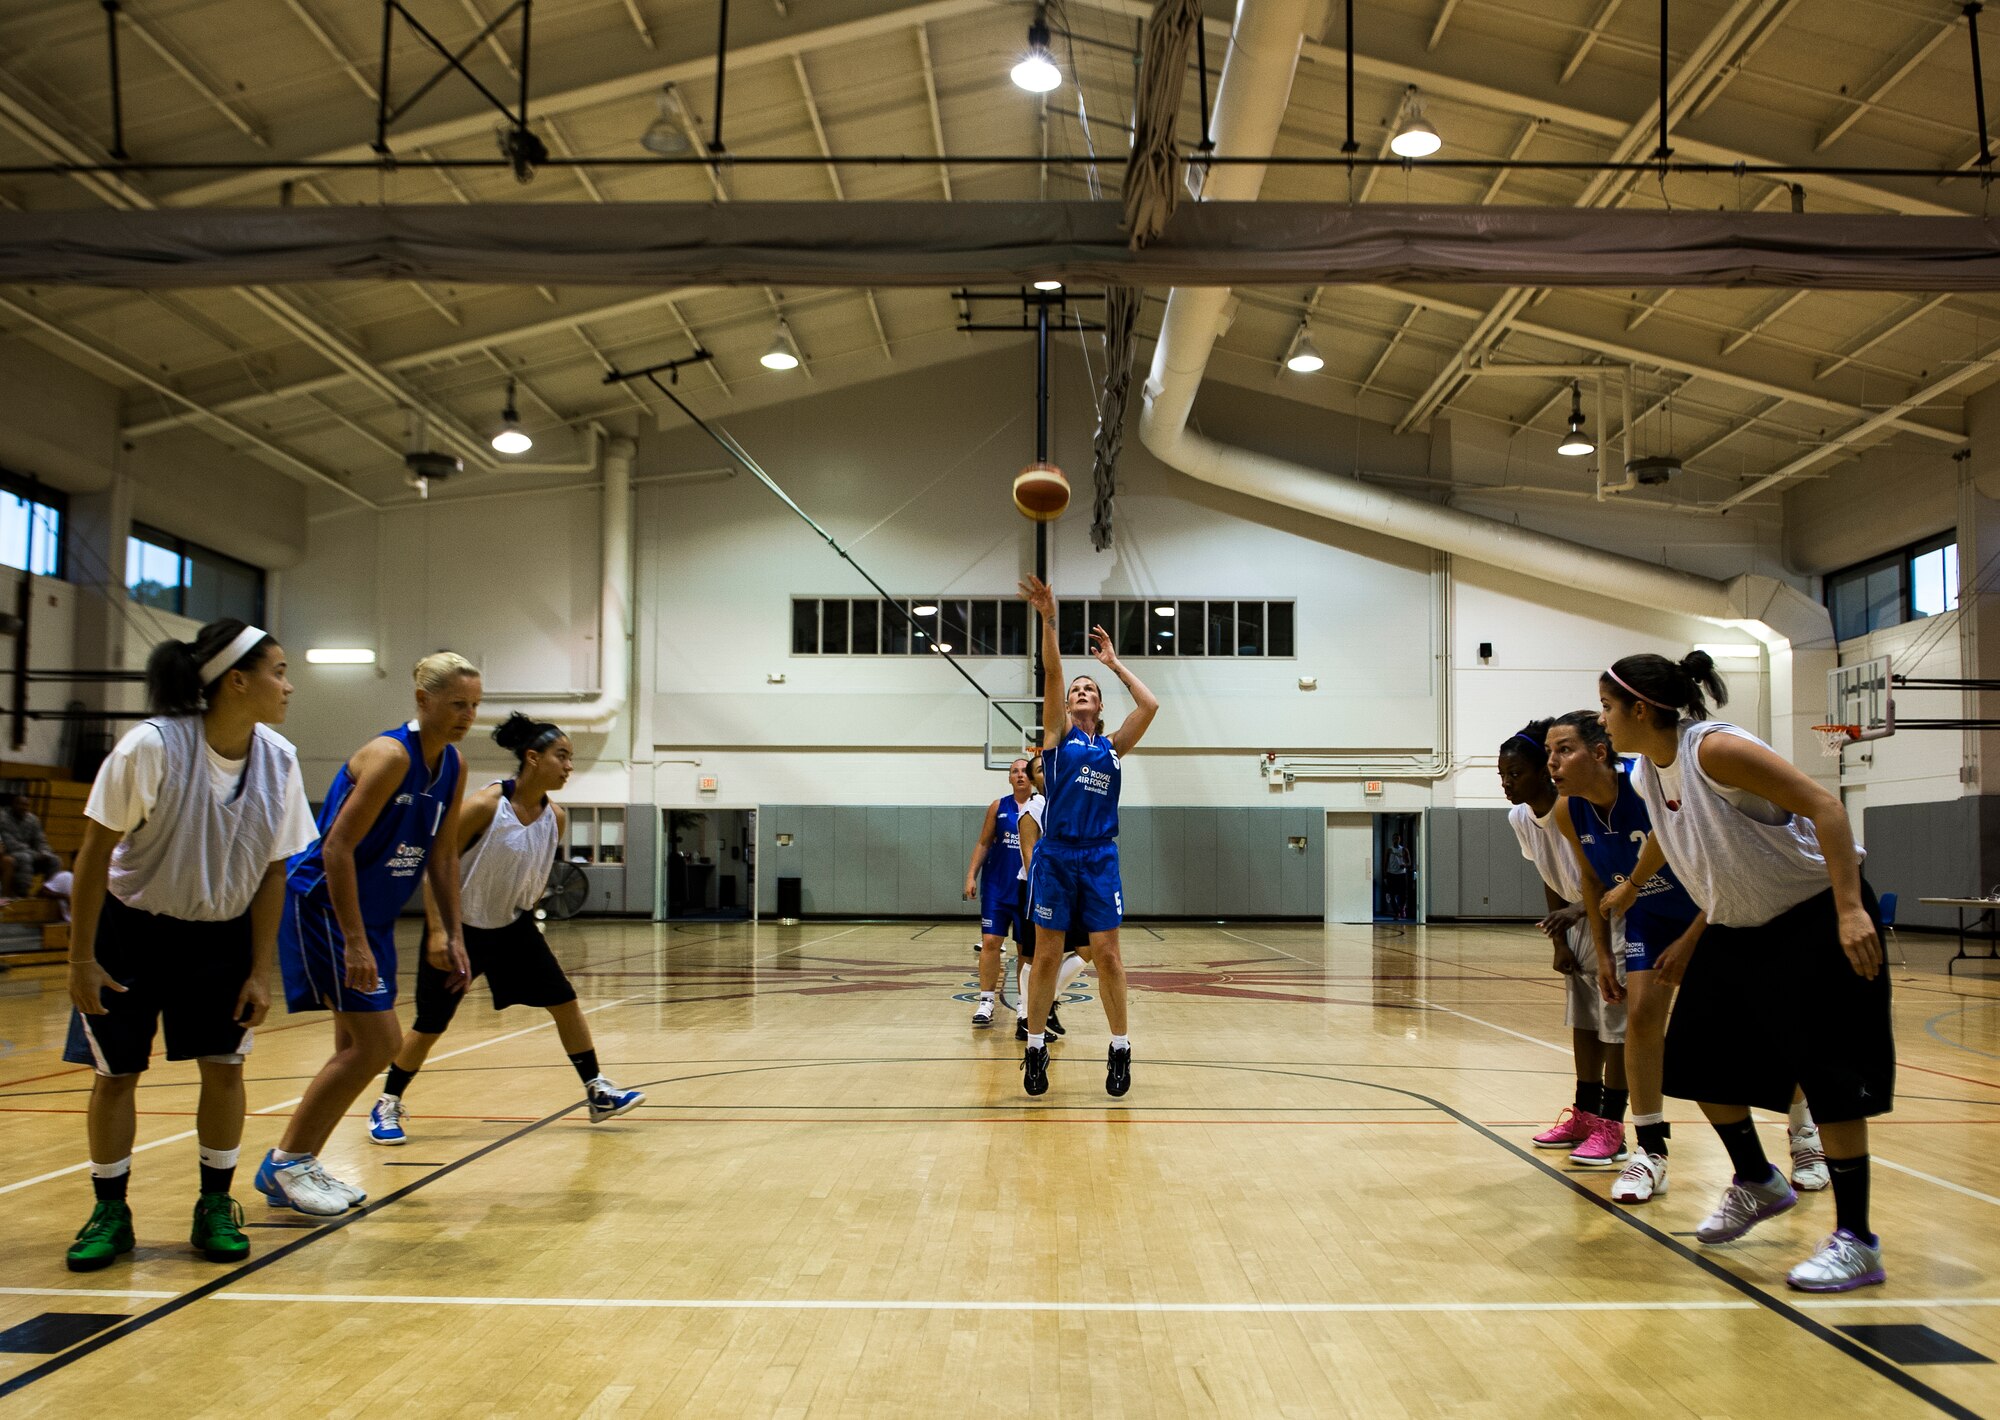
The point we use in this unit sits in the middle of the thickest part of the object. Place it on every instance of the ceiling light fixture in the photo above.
(924, 609)
(1414, 138)
(1048, 285)
(1163, 611)
(784, 352)
(340, 656)
(1303, 358)
(665, 135)
(510, 439)
(1038, 73)
(1575, 444)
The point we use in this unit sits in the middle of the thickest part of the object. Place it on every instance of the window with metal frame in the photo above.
(1153, 628)
(183, 577)
(33, 519)
(1908, 584)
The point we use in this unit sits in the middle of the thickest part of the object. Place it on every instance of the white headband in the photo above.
(229, 655)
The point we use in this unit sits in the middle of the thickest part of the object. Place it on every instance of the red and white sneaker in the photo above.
(1644, 1178)
(1572, 1127)
(1604, 1147)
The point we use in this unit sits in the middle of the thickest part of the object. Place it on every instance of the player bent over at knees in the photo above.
(508, 835)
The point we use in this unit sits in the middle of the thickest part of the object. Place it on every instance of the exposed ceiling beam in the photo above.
(213, 97)
(1882, 333)
(699, 65)
(1589, 41)
(937, 115)
(1750, 331)
(1443, 19)
(1878, 88)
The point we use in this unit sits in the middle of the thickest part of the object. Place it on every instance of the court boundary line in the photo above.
(1777, 1306)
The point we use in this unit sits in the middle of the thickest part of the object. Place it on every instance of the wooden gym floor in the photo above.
(1319, 1199)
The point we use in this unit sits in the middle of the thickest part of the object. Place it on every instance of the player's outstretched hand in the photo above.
(1037, 594)
(1101, 648)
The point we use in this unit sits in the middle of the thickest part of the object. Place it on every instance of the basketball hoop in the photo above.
(1834, 738)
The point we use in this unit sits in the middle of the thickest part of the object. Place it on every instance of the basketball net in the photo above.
(1834, 738)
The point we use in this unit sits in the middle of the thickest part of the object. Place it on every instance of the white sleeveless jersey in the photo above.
(1034, 809)
(196, 857)
(506, 872)
(1739, 869)
(1543, 844)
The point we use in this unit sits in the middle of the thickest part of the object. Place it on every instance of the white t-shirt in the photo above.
(1035, 808)
(128, 785)
(57, 886)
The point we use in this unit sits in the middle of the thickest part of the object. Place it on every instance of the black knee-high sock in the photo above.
(215, 1180)
(1746, 1151)
(1589, 1097)
(1850, 1195)
(586, 1065)
(1614, 1104)
(398, 1081)
(110, 1190)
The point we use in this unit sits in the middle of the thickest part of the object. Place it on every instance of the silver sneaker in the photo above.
(1809, 1172)
(1743, 1207)
(299, 1186)
(354, 1196)
(1842, 1263)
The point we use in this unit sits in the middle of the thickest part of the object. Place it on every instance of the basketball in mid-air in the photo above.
(1041, 492)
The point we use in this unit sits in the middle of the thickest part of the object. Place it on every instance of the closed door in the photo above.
(1350, 867)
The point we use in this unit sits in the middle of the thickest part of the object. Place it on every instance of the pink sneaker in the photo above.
(1572, 1127)
(1604, 1147)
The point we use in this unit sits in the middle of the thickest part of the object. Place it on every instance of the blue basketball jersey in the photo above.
(1082, 775)
(389, 861)
(1003, 856)
(1611, 843)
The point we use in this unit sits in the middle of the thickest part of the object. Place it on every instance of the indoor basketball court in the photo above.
(586, 578)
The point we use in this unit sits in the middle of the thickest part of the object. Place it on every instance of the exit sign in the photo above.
(1371, 787)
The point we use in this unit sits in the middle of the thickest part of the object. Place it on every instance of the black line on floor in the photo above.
(257, 1264)
(1849, 1347)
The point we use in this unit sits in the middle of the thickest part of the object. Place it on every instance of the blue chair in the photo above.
(1885, 907)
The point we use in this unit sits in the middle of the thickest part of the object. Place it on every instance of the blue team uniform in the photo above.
(1073, 880)
(1611, 843)
(388, 867)
(1000, 875)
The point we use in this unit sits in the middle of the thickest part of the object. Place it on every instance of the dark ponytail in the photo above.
(1589, 727)
(173, 671)
(1673, 686)
(522, 736)
(1532, 740)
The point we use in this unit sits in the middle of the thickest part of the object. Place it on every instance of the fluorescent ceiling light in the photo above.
(340, 656)
(941, 646)
(925, 609)
(1163, 611)
(1048, 286)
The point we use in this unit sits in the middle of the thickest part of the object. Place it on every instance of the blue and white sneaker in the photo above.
(607, 1101)
(302, 1186)
(385, 1121)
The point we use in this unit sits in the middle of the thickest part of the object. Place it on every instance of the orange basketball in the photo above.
(1041, 492)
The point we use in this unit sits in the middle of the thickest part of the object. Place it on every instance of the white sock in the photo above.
(219, 1158)
(1121, 1042)
(986, 998)
(1072, 968)
(112, 1170)
(1638, 1119)
(282, 1157)
(1801, 1115)
(1021, 1006)
(1038, 1041)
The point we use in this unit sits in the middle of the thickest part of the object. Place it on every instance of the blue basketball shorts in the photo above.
(999, 908)
(1076, 885)
(1647, 937)
(312, 954)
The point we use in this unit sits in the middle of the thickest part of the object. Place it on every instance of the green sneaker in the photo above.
(218, 1229)
(99, 1241)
